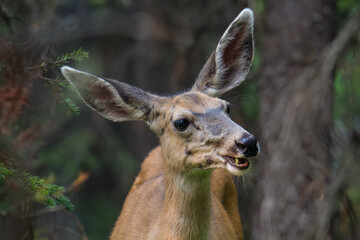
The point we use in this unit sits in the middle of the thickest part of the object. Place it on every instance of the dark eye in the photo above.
(228, 108)
(181, 124)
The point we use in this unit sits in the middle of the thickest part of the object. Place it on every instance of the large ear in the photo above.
(114, 100)
(228, 66)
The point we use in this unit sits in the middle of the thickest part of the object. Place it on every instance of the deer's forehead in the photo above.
(195, 102)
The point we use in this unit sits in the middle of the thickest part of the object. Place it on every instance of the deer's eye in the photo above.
(181, 124)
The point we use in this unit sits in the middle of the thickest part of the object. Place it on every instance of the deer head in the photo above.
(195, 130)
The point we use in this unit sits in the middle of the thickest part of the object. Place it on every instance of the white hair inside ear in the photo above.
(229, 65)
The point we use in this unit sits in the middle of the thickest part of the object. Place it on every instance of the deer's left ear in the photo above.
(228, 66)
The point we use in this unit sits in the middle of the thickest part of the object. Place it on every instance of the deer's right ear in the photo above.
(114, 100)
(230, 63)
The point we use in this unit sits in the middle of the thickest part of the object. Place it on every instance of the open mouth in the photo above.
(241, 163)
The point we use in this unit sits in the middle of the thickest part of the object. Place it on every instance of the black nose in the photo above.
(248, 145)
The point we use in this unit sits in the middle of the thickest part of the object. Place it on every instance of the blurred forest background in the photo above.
(301, 99)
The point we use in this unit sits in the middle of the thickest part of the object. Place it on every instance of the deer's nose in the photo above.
(248, 145)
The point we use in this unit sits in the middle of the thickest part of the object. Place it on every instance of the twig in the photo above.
(30, 228)
(45, 211)
(79, 225)
(58, 209)
(51, 79)
(49, 64)
(63, 227)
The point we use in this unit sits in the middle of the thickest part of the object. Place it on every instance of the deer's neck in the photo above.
(187, 209)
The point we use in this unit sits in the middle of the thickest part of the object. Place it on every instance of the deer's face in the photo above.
(194, 128)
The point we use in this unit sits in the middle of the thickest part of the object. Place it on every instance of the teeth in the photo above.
(236, 160)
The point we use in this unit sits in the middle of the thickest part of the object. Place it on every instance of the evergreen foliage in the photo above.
(17, 186)
(36, 188)
(76, 56)
(60, 85)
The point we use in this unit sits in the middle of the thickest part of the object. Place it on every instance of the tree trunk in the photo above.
(296, 113)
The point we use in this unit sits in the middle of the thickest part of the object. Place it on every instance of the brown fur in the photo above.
(174, 186)
(184, 190)
(148, 190)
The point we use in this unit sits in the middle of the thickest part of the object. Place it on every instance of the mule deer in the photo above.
(184, 189)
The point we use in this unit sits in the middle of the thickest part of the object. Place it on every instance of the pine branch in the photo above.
(76, 56)
(42, 190)
(71, 107)
(60, 86)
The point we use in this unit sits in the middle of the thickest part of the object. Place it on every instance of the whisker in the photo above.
(244, 182)
(237, 98)
(254, 174)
